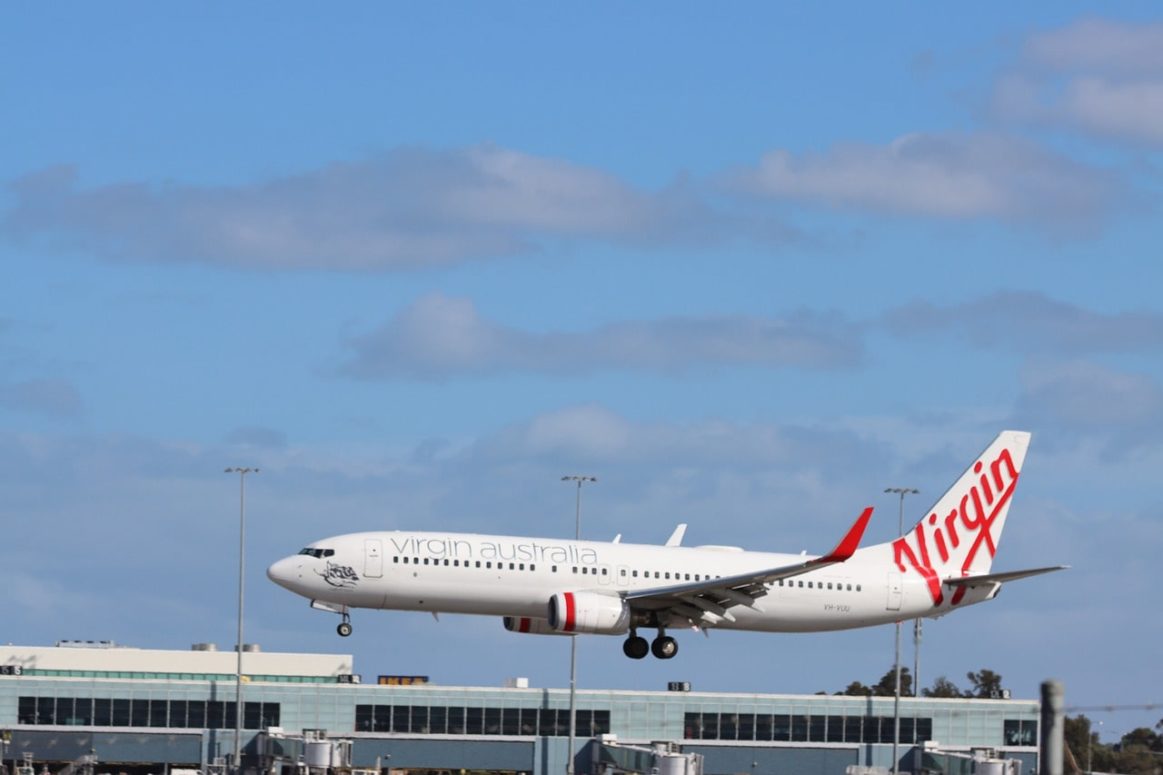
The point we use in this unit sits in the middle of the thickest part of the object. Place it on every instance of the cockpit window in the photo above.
(317, 553)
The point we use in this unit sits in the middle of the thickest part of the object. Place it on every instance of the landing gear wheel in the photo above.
(664, 647)
(344, 629)
(635, 647)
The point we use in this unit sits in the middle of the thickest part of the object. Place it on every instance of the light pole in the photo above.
(580, 479)
(242, 472)
(1090, 747)
(896, 703)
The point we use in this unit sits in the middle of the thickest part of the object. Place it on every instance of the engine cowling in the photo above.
(590, 612)
(530, 625)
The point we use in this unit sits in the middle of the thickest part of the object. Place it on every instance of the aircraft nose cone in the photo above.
(285, 572)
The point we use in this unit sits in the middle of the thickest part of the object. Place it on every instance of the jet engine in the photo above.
(590, 612)
(530, 625)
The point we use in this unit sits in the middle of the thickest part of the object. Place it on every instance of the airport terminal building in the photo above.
(108, 708)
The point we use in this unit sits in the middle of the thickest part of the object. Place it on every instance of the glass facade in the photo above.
(807, 728)
(129, 712)
(431, 709)
(460, 720)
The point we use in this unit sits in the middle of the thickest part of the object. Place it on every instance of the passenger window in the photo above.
(849, 587)
(575, 569)
(634, 574)
(668, 574)
(605, 572)
(489, 564)
(512, 566)
(478, 563)
(656, 575)
(687, 576)
(396, 560)
(405, 560)
(532, 566)
(553, 568)
(622, 572)
(801, 585)
(857, 587)
(446, 563)
(829, 585)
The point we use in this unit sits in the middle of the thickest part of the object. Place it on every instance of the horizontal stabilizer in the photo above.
(989, 578)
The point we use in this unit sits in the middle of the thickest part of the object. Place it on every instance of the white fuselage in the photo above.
(516, 576)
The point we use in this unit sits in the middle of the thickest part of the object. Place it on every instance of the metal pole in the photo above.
(242, 472)
(580, 479)
(1050, 757)
(917, 657)
(896, 702)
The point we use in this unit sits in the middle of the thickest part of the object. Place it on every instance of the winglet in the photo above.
(847, 546)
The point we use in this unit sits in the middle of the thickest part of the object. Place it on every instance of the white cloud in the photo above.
(407, 208)
(1029, 322)
(438, 337)
(1096, 76)
(1132, 110)
(954, 176)
(1078, 395)
(1099, 45)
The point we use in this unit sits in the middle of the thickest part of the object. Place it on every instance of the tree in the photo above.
(857, 689)
(886, 686)
(942, 687)
(986, 684)
(1143, 737)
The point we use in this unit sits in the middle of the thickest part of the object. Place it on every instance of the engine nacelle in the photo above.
(530, 625)
(590, 612)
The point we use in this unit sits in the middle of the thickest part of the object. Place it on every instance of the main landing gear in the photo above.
(663, 647)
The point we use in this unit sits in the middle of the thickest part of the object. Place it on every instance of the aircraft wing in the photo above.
(707, 602)
(990, 578)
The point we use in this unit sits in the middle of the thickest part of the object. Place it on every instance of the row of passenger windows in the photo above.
(175, 714)
(803, 728)
(591, 570)
(800, 583)
(604, 571)
(455, 720)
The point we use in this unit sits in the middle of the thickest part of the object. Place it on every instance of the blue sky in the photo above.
(748, 268)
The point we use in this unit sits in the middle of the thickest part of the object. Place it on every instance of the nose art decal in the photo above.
(339, 575)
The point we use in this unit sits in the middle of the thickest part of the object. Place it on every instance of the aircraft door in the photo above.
(373, 559)
(894, 592)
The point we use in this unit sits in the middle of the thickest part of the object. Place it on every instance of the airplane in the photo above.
(552, 586)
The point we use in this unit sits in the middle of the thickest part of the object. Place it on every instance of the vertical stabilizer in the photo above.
(959, 535)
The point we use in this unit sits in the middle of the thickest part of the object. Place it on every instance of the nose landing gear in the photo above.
(344, 628)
